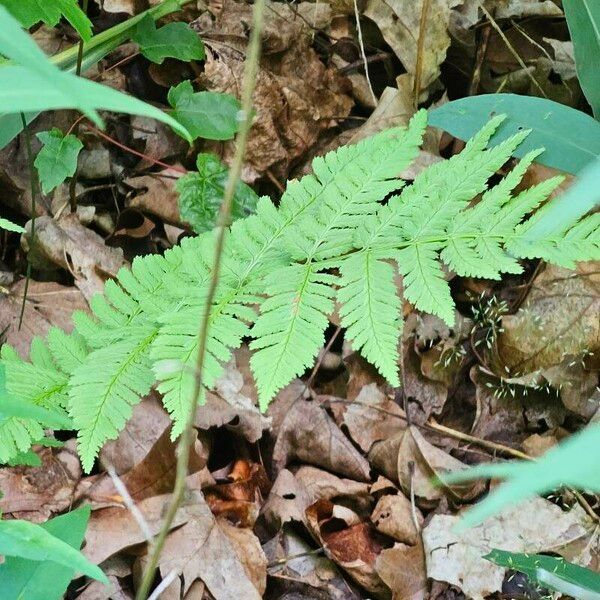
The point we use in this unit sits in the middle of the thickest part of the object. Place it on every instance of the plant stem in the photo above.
(183, 447)
(73, 182)
(420, 52)
(33, 190)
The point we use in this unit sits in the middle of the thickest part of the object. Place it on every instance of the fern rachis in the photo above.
(331, 238)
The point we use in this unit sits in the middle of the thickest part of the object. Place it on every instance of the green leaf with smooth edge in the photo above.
(57, 159)
(173, 40)
(10, 226)
(208, 115)
(583, 20)
(31, 541)
(201, 194)
(25, 579)
(31, 12)
(39, 85)
(11, 407)
(565, 210)
(573, 463)
(530, 564)
(571, 138)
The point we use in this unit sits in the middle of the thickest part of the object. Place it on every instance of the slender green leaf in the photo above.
(571, 138)
(57, 159)
(208, 115)
(583, 20)
(33, 542)
(173, 40)
(34, 580)
(201, 194)
(10, 226)
(530, 565)
(30, 12)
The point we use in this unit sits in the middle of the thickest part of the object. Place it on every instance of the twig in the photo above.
(73, 182)
(362, 51)
(33, 189)
(420, 51)
(164, 584)
(183, 447)
(285, 559)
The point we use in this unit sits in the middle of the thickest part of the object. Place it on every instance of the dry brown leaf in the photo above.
(402, 568)
(286, 502)
(394, 516)
(531, 527)
(155, 139)
(230, 563)
(398, 21)
(48, 304)
(37, 493)
(308, 434)
(351, 544)
(65, 243)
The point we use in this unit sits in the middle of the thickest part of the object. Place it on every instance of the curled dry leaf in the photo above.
(228, 560)
(350, 543)
(409, 459)
(286, 502)
(296, 98)
(534, 526)
(394, 516)
(308, 434)
(37, 493)
(65, 243)
(48, 304)
(402, 568)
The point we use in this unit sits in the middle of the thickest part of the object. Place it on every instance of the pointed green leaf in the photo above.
(10, 226)
(57, 159)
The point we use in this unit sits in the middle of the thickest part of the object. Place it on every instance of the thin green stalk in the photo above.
(73, 182)
(33, 190)
(185, 442)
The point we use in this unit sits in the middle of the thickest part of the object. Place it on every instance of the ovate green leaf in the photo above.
(208, 115)
(57, 159)
(36, 580)
(201, 194)
(33, 542)
(174, 40)
(571, 138)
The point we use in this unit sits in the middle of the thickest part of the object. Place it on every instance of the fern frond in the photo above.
(371, 311)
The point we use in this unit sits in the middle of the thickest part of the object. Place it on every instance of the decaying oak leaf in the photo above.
(296, 96)
(409, 459)
(308, 434)
(37, 493)
(398, 21)
(65, 243)
(286, 502)
(48, 304)
(240, 500)
(533, 526)
(351, 543)
(230, 562)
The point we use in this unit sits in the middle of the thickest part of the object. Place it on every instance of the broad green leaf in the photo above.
(565, 210)
(573, 463)
(38, 85)
(10, 226)
(33, 542)
(30, 12)
(571, 138)
(201, 194)
(173, 40)
(57, 159)
(25, 579)
(208, 115)
(530, 565)
(583, 20)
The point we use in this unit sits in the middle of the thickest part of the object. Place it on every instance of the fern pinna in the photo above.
(331, 238)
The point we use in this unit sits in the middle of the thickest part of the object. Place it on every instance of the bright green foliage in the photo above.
(57, 159)
(201, 194)
(41, 580)
(332, 237)
(584, 583)
(10, 226)
(30, 12)
(32, 542)
(209, 115)
(173, 40)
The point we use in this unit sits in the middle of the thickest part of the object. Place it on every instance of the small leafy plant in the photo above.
(338, 234)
